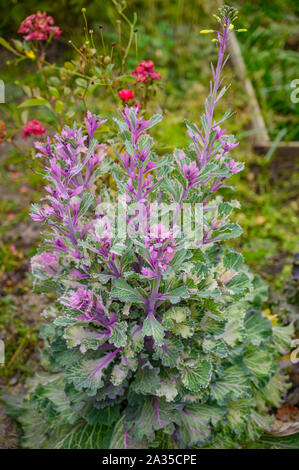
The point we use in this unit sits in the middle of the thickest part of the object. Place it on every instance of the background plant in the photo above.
(65, 90)
(272, 80)
(168, 34)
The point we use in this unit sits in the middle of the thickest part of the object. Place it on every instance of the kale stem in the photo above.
(213, 94)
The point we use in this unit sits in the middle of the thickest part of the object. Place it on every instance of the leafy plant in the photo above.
(157, 337)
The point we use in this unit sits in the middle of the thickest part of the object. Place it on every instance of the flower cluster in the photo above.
(33, 128)
(91, 308)
(191, 173)
(160, 243)
(145, 72)
(39, 27)
(211, 142)
(45, 264)
(234, 166)
(71, 165)
(139, 163)
(2, 131)
(102, 234)
(80, 299)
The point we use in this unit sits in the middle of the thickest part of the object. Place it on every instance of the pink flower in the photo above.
(234, 166)
(126, 95)
(33, 127)
(148, 272)
(191, 173)
(102, 232)
(81, 299)
(228, 143)
(145, 72)
(40, 215)
(39, 27)
(92, 122)
(45, 265)
(23, 189)
(160, 244)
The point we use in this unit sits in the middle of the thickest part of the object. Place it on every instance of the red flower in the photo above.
(146, 71)
(126, 95)
(2, 130)
(33, 127)
(39, 27)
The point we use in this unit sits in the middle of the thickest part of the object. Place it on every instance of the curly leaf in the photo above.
(197, 376)
(146, 381)
(169, 351)
(152, 416)
(83, 337)
(233, 384)
(194, 423)
(258, 328)
(151, 327)
(124, 292)
(118, 335)
(89, 374)
(122, 439)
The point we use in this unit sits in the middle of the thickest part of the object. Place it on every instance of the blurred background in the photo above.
(166, 32)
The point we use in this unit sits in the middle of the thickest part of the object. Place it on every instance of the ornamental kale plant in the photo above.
(156, 337)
